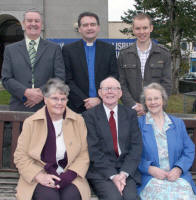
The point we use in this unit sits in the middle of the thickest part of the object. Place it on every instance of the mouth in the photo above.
(110, 97)
(33, 28)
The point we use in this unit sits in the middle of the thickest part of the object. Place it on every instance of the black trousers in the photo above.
(70, 192)
(107, 190)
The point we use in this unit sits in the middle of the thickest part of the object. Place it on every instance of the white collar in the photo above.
(107, 110)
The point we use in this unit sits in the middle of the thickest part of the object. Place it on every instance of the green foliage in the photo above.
(4, 97)
(184, 67)
(173, 20)
(179, 15)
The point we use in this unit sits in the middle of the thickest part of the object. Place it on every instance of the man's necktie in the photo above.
(112, 124)
(32, 55)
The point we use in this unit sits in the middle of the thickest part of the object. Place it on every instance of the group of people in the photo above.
(80, 131)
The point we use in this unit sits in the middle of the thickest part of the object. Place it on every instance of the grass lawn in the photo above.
(4, 97)
(175, 104)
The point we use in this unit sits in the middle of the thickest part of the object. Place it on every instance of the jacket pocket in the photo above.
(128, 66)
(156, 69)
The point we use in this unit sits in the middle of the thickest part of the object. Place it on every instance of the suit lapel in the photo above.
(82, 56)
(23, 49)
(121, 128)
(104, 126)
(41, 48)
(98, 56)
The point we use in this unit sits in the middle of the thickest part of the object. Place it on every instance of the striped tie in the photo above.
(32, 56)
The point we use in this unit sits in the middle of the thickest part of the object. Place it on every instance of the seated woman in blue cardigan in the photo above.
(168, 151)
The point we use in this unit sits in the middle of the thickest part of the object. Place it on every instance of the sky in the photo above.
(116, 8)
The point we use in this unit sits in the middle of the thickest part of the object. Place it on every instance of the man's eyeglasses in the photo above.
(107, 89)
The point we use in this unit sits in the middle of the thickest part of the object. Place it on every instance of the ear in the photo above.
(120, 94)
(23, 25)
(99, 92)
(45, 100)
(79, 29)
(98, 28)
(151, 28)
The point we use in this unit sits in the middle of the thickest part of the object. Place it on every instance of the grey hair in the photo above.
(155, 86)
(32, 10)
(53, 85)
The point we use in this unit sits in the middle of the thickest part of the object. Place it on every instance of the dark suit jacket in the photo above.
(77, 70)
(17, 74)
(103, 161)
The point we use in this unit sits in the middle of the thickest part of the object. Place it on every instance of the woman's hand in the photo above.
(157, 172)
(174, 174)
(47, 179)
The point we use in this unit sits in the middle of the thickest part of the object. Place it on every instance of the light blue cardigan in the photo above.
(181, 150)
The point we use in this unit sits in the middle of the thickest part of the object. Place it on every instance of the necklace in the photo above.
(58, 126)
(59, 134)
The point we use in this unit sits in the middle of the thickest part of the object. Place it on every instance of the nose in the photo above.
(110, 90)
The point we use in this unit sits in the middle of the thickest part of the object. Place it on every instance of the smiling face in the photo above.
(154, 101)
(89, 28)
(110, 92)
(142, 29)
(32, 25)
(56, 104)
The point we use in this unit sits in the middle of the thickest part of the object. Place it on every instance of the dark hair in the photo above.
(53, 85)
(141, 16)
(87, 14)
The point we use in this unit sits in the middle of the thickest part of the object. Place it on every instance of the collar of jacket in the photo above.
(133, 49)
(40, 114)
(146, 127)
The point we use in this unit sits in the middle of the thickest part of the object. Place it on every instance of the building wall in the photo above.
(59, 16)
(114, 28)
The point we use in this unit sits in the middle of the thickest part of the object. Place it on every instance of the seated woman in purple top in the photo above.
(51, 154)
(168, 151)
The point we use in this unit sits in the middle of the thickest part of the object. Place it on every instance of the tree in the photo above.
(173, 20)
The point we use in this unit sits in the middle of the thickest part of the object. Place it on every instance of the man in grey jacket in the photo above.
(29, 64)
(143, 62)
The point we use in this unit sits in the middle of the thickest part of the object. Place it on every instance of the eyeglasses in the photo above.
(56, 99)
(155, 99)
(113, 89)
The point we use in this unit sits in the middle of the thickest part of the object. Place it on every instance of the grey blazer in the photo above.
(17, 74)
(103, 161)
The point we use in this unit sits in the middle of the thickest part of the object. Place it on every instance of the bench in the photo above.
(10, 127)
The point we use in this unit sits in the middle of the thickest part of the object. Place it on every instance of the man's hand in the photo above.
(174, 174)
(34, 96)
(157, 172)
(139, 109)
(120, 182)
(47, 180)
(91, 102)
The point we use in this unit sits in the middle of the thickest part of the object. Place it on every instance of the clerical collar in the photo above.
(89, 44)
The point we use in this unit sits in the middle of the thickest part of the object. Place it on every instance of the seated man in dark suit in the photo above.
(114, 144)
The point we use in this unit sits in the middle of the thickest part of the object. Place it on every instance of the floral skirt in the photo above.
(166, 190)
